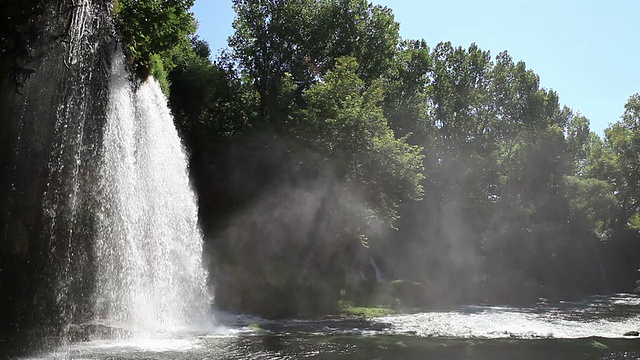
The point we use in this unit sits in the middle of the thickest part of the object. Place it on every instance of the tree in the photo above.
(580, 141)
(209, 102)
(344, 120)
(320, 100)
(620, 164)
(303, 39)
(154, 31)
(406, 98)
(315, 66)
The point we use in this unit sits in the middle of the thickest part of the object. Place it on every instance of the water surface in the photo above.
(590, 329)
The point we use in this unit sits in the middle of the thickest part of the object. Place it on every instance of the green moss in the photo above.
(374, 311)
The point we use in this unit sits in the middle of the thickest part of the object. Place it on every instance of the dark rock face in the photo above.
(52, 116)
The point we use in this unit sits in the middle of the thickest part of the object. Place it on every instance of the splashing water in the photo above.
(148, 247)
(600, 316)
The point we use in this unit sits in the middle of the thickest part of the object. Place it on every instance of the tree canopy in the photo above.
(452, 166)
(154, 33)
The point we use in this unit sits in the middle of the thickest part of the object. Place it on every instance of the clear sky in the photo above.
(586, 50)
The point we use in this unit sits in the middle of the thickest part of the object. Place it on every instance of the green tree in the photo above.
(344, 119)
(406, 96)
(620, 165)
(209, 102)
(315, 66)
(155, 32)
(303, 39)
(580, 141)
(591, 202)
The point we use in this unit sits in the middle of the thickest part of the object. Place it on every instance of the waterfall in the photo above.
(148, 247)
(64, 109)
(100, 222)
(379, 276)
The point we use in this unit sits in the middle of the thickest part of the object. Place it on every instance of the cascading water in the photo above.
(77, 114)
(100, 221)
(148, 247)
(379, 275)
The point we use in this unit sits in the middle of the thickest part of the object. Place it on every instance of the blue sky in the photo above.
(586, 50)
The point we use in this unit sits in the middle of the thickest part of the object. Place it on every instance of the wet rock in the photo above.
(632, 333)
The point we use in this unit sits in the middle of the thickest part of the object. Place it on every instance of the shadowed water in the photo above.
(473, 332)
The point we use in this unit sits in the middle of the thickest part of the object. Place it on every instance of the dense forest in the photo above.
(327, 152)
(321, 140)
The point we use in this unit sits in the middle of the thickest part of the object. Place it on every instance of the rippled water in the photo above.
(592, 329)
(608, 317)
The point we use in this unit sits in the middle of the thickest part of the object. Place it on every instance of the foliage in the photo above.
(154, 32)
(487, 186)
(314, 69)
(344, 119)
(591, 201)
(209, 102)
(303, 39)
(368, 312)
(619, 164)
(502, 165)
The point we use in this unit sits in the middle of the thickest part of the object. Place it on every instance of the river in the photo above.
(589, 329)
